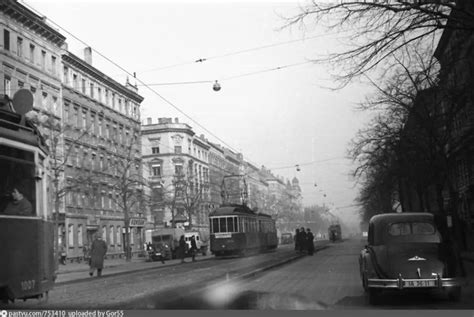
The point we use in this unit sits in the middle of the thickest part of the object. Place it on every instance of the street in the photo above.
(329, 280)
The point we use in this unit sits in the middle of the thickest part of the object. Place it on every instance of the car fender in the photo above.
(366, 265)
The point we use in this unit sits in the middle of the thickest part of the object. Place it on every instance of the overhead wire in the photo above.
(144, 84)
(205, 59)
(148, 86)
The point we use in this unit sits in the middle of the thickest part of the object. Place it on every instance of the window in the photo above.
(178, 169)
(155, 150)
(111, 235)
(75, 82)
(16, 171)
(32, 53)
(44, 102)
(75, 119)
(43, 59)
(104, 233)
(100, 126)
(93, 161)
(99, 94)
(223, 224)
(66, 75)
(7, 86)
(19, 47)
(91, 90)
(118, 233)
(53, 65)
(83, 86)
(55, 105)
(399, 229)
(177, 149)
(156, 170)
(80, 233)
(66, 113)
(70, 235)
(422, 228)
(84, 120)
(6, 40)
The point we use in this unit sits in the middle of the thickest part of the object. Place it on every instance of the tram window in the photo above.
(17, 184)
(215, 225)
(230, 224)
(222, 224)
(236, 226)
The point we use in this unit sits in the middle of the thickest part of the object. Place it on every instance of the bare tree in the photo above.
(127, 184)
(378, 33)
(61, 139)
(407, 141)
(189, 193)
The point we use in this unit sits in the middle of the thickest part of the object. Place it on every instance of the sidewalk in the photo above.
(80, 271)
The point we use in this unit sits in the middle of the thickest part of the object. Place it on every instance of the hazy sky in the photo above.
(277, 118)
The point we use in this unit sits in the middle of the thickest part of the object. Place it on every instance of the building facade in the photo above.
(455, 52)
(177, 167)
(101, 143)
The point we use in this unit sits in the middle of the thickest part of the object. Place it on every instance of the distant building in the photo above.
(177, 167)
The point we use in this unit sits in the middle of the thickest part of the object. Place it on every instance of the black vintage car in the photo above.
(405, 251)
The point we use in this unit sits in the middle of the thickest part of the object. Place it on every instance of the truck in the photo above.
(165, 237)
(201, 245)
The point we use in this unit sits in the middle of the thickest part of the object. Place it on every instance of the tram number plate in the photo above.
(420, 283)
(27, 285)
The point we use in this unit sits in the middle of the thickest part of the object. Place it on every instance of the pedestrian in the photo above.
(297, 239)
(97, 254)
(309, 240)
(302, 246)
(20, 205)
(182, 248)
(162, 250)
(193, 248)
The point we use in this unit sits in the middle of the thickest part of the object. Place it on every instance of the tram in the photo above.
(334, 232)
(238, 230)
(26, 230)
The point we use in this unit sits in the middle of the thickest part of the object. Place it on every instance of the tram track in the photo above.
(151, 288)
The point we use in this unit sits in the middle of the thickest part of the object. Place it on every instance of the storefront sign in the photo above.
(137, 222)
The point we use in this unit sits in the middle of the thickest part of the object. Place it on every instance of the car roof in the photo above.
(378, 232)
(401, 216)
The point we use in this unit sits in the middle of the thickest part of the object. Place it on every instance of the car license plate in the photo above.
(420, 283)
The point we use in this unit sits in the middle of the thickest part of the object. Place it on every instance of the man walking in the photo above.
(97, 254)
(193, 248)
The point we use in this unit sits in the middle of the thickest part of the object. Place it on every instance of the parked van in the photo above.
(202, 246)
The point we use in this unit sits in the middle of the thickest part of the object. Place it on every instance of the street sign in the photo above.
(137, 222)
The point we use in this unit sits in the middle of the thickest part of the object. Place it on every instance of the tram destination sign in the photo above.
(137, 222)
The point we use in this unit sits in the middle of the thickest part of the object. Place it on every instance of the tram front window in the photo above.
(17, 182)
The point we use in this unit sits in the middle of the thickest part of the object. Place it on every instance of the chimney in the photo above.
(88, 55)
(176, 120)
(148, 121)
